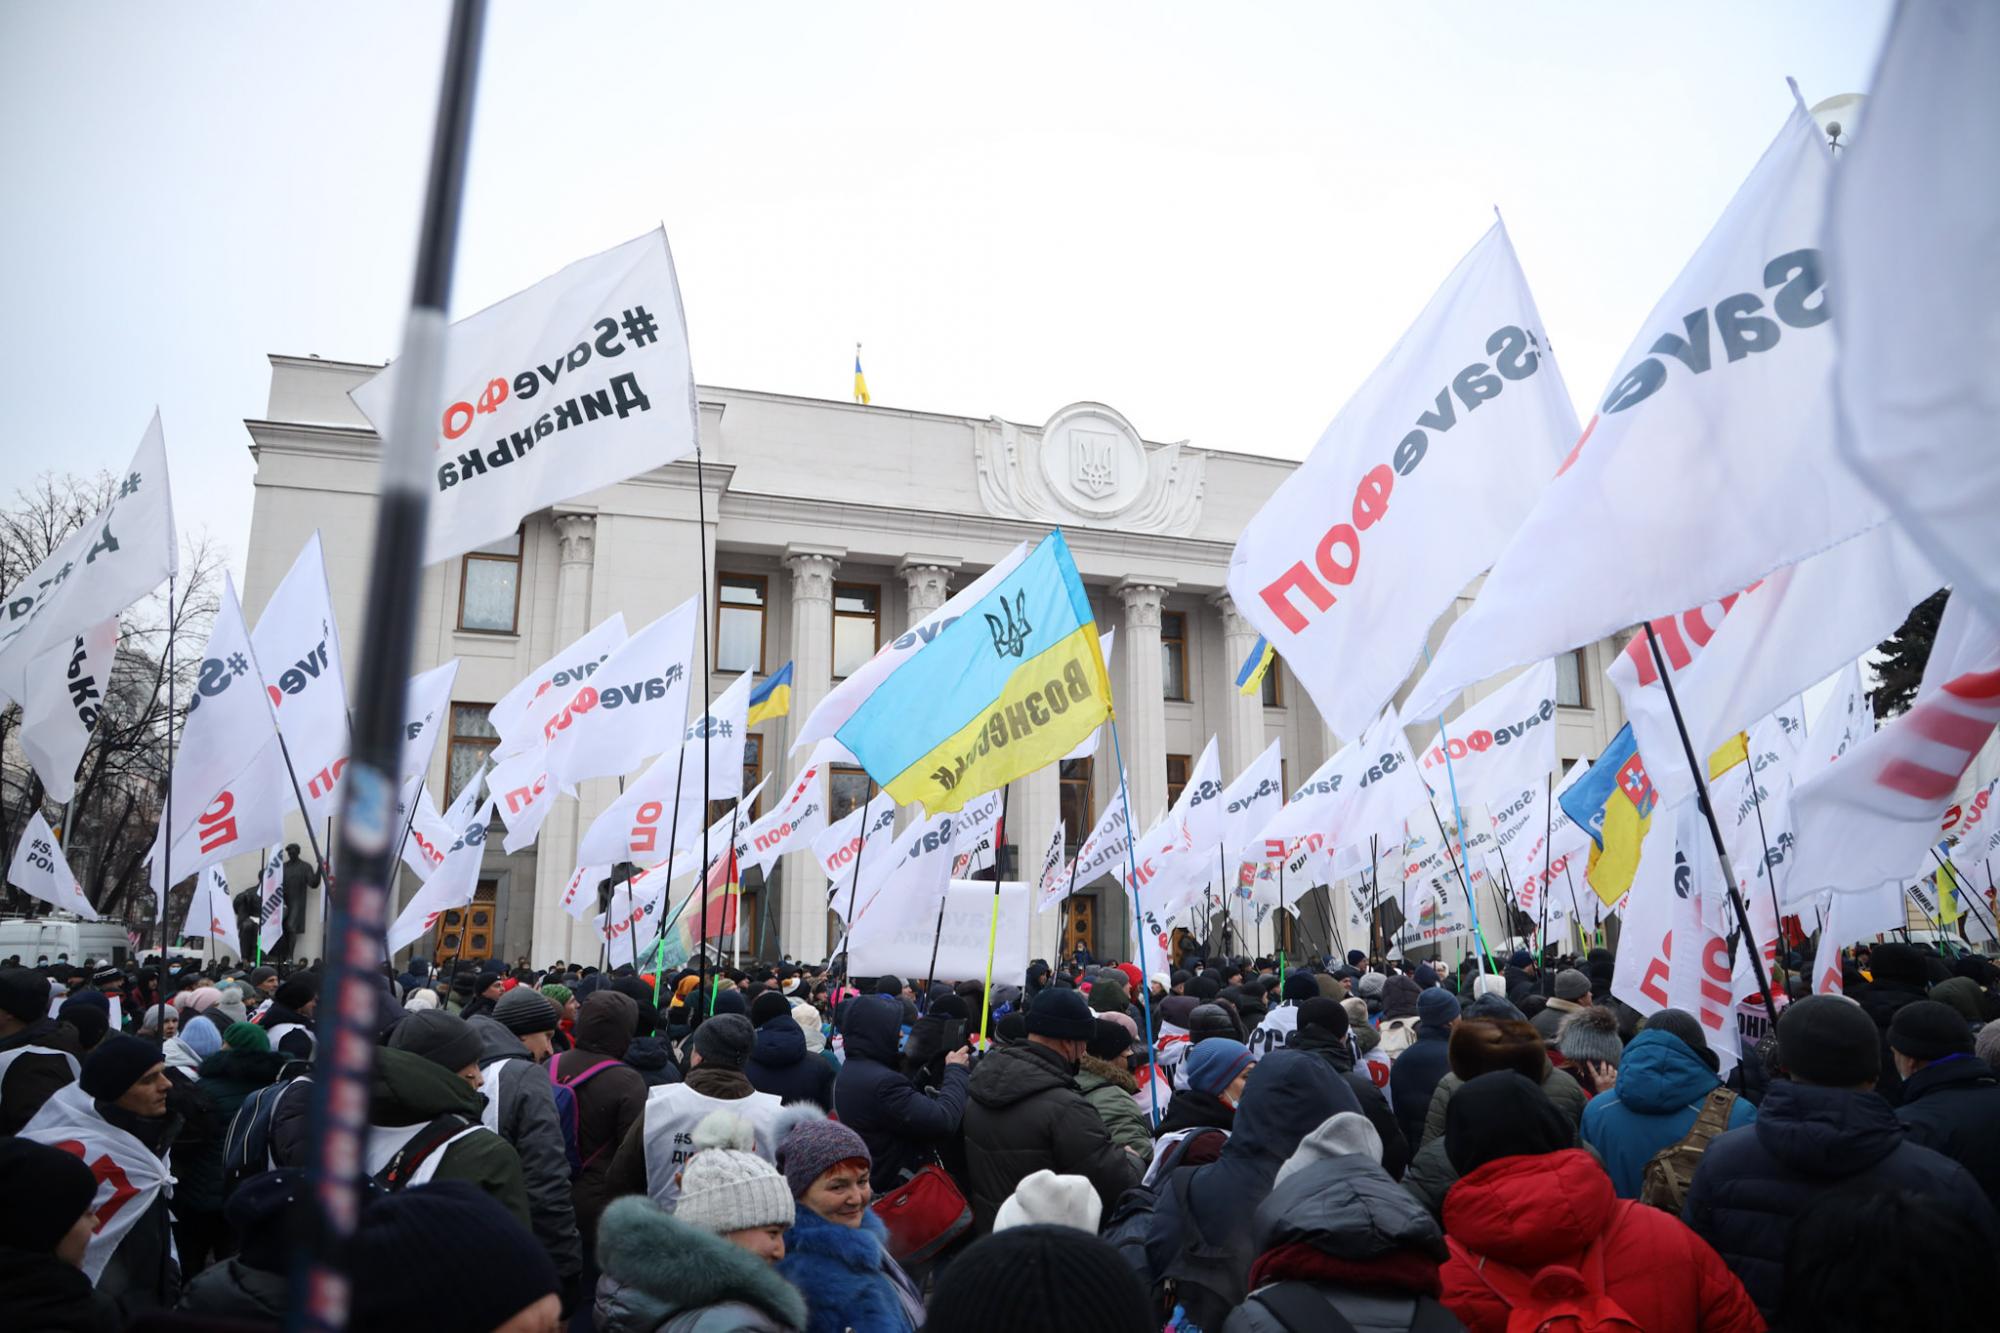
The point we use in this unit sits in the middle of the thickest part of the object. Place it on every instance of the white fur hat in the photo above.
(1049, 1199)
(725, 1185)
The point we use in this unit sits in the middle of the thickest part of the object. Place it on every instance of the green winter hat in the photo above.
(246, 1037)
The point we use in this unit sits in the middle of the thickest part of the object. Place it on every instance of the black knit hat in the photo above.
(1063, 1014)
(725, 1041)
(1023, 1276)
(1927, 1030)
(442, 1038)
(768, 1005)
(1829, 1040)
(300, 990)
(1501, 1114)
(1320, 1012)
(111, 1070)
(23, 994)
(91, 1021)
(523, 1011)
(1301, 986)
(445, 1255)
(50, 1189)
(1110, 1040)
(1684, 1025)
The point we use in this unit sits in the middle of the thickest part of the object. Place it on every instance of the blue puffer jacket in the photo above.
(874, 1098)
(780, 1065)
(848, 1279)
(1661, 1086)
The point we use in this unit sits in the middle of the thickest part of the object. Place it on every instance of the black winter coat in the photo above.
(46, 1295)
(1025, 1114)
(1883, 1000)
(1754, 1182)
(1336, 1052)
(1414, 1077)
(1953, 1107)
(781, 1065)
(31, 1080)
(1189, 1109)
(234, 1290)
(874, 1098)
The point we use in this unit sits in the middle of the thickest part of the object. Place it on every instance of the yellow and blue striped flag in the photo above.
(1251, 676)
(1011, 686)
(773, 698)
(860, 380)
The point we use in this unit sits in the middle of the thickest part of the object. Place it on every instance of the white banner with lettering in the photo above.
(66, 687)
(40, 870)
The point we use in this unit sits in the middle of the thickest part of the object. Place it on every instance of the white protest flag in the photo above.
(1845, 720)
(1386, 790)
(210, 915)
(525, 710)
(1183, 853)
(958, 928)
(1978, 833)
(129, 1175)
(40, 870)
(973, 834)
(451, 885)
(523, 796)
(1105, 851)
(120, 554)
(426, 709)
(663, 809)
(431, 834)
(229, 789)
(723, 835)
(845, 841)
(1793, 629)
(1851, 919)
(910, 878)
(1414, 489)
(1536, 841)
(633, 707)
(298, 648)
(1870, 817)
(793, 823)
(1709, 462)
(1911, 232)
(271, 900)
(579, 381)
(65, 693)
(1088, 746)
(832, 712)
(1499, 745)
(580, 894)
(1199, 809)
(1051, 885)
(1249, 803)
(1701, 981)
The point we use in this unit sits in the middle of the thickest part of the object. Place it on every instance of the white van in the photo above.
(55, 936)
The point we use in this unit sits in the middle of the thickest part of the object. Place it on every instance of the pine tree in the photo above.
(1903, 655)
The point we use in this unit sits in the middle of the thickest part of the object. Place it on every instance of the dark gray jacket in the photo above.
(661, 1274)
(522, 1110)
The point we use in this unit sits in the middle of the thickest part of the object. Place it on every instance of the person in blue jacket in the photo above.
(1665, 1076)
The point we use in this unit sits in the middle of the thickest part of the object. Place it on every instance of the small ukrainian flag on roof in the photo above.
(860, 380)
(773, 698)
(1251, 676)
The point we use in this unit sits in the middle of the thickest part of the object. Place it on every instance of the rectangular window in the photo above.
(1274, 693)
(739, 622)
(753, 770)
(1077, 815)
(1569, 680)
(489, 587)
(857, 626)
(1173, 655)
(472, 739)
(1177, 776)
(850, 788)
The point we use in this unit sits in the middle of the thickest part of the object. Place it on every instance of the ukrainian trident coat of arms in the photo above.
(1093, 456)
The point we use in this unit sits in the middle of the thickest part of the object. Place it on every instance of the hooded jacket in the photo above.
(34, 1076)
(1414, 1077)
(1191, 1109)
(230, 1075)
(1025, 1114)
(659, 1273)
(1349, 1211)
(651, 1056)
(1952, 1106)
(410, 1090)
(1196, 1227)
(847, 1277)
(521, 1108)
(50, 1296)
(1336, 1052)
(1533, 1211)
(1109, 1087)
(1661, 1086)
(1754, 1182)
(780, 1065)
(608, 1104)
(874, 1098)
(232, 1289)
(1431, 1174)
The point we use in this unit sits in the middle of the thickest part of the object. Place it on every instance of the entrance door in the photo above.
(1080, 927)
(466, 933)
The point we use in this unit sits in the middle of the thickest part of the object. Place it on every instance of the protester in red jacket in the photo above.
(1533, 1222)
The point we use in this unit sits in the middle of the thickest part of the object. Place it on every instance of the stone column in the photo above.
(554, 934)
(1142, 731)
(801, 913)
(1242, 718)
(929, 580)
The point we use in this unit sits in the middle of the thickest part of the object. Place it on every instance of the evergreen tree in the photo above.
(1903, 655)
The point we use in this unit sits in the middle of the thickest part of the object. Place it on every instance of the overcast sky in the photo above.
(1215, 218)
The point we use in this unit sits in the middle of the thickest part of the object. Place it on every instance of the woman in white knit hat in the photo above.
(706, 1267)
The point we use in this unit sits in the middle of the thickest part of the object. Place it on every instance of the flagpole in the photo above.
(167, 846)
(1548, 852)
(1972, 898)
(319, 1282)
(1714, 829)
(1138, 923)
(1279, 928)
(701, 547)
(992, 933)
(1458, 869)
(854, 883)
(1770, 880)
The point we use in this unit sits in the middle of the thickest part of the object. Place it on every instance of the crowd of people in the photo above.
(1249, 1146)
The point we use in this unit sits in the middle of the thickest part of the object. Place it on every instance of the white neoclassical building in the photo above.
(829, 528)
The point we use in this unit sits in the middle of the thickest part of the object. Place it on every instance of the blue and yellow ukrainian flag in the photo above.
(1011, 686)
(1254, 666)
(860, 380)
(773, 698)
(1613, 803)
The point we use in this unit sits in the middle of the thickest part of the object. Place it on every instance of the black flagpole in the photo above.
(1714, 829)
(701, 547)
(319, 1297)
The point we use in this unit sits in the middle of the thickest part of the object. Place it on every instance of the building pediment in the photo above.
(1086, 466)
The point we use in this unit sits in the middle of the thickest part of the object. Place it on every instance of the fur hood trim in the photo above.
(687, 1268)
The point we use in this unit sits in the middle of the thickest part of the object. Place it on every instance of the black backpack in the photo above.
(246, 1148)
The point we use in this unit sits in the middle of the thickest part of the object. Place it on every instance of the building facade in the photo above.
(827, 529)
